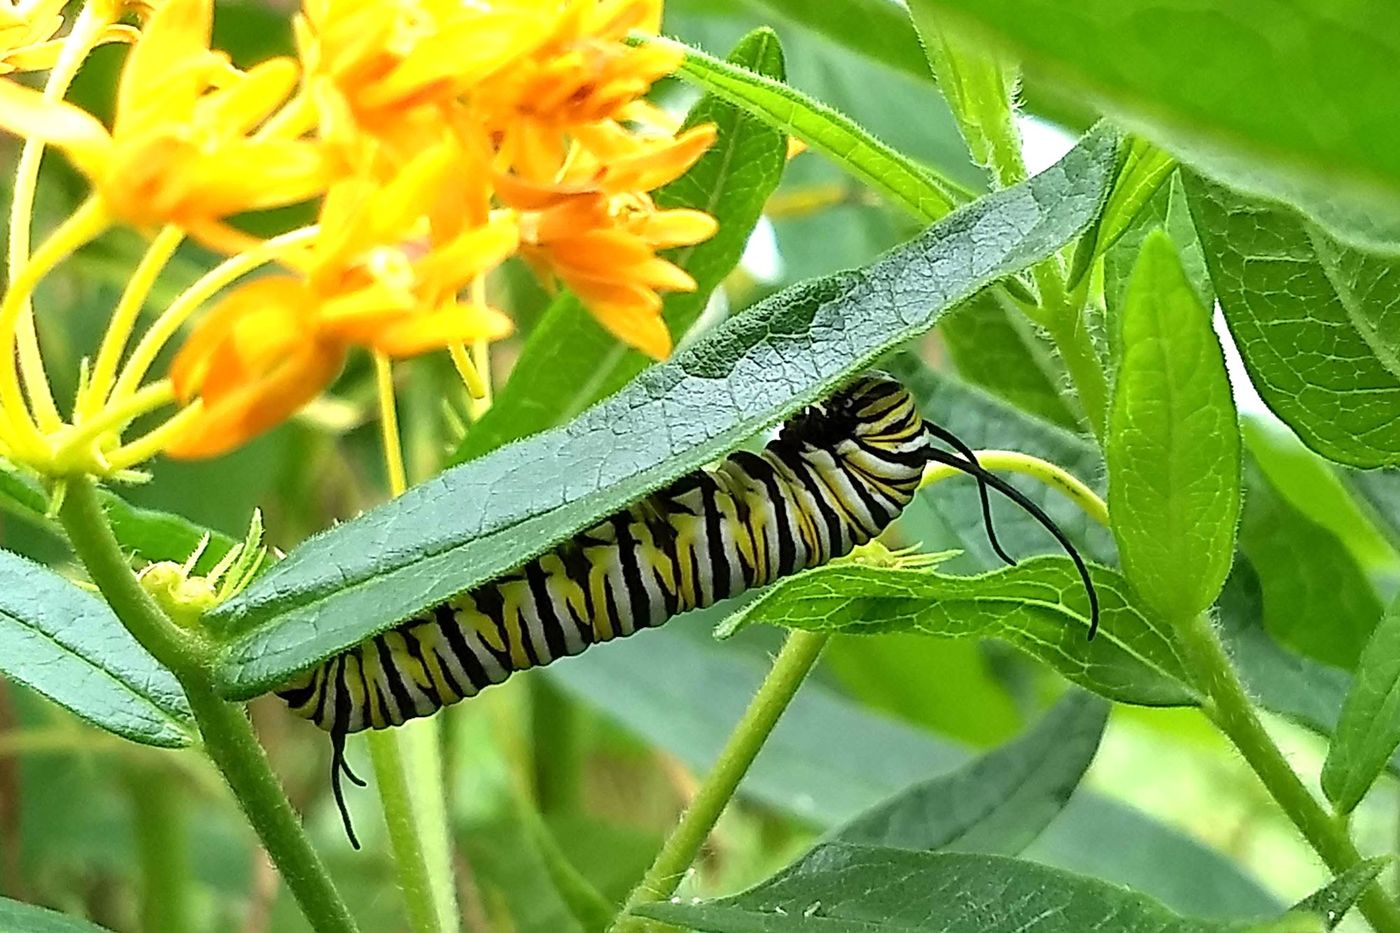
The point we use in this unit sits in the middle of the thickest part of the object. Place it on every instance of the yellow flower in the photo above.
(598, 231)
(180, 149)
(27, 31)
(383, 273)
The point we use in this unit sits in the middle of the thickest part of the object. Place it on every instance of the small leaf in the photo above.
(1296, 331)
(901, 181)
(1368, 732)
(863, 889)
(1332, 902)
(26, 918)
(1173, 445)
(998, 803)
(877, 29)
(480, 519)
(569, 362)
(66, 644)
(1039, 606)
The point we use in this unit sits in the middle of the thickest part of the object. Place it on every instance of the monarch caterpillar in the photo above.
(837, 473)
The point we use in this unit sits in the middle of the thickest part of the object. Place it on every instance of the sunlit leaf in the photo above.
(1368, 732)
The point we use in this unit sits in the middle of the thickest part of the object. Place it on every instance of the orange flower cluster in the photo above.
(441, 137)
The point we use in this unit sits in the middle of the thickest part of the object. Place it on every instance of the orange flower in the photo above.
(383, 273)
(600, 235)
(389, 67)
(581, 73)
(179, 150)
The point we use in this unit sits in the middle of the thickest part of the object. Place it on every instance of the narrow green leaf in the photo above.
(482, 518)
(1297, 333)
(1173, 445)
(876, 29)
(680, 690)
(1317, 599)
(994, 346)
(1144, 172)
(1380, 491)
(1229, 87)
(144, 533)
(998, 803)
(569, 362)
(864, 889)
(26, 918)
(1332, 902)
(1368, 732)
(66, 644)
(895, 177)
(1039, 606)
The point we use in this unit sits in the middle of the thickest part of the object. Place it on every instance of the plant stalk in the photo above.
(228, 735)
(678, 853)
(1228, 706)
(160, 810)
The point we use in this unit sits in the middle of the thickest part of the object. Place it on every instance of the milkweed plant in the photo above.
(368, 352)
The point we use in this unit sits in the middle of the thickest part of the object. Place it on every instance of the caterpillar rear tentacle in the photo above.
(835, 476)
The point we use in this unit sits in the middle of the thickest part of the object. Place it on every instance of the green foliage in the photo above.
(1332, 902)
(1173, 444)
(865, 888)
(17, 916)
(455, 531)
(67, 644)
(1369, 729)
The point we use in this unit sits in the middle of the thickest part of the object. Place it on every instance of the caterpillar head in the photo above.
(872, 405)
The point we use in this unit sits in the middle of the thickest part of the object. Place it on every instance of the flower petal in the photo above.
(26, 113)
(191, 365)
(453, 324)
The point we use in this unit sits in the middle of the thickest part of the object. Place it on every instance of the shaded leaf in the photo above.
(66, 644)
(1173, 444)
(1234, 88)
(864, 889)
(1305, 354)
(1368, 732)
(1039, 606)
(876, 29)
(473, 522)
(569, 361)
(998, 803)
(1317, 600)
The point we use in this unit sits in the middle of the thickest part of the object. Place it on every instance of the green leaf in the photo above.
(1173, 445)
(1380, 491)
(1297, 332)
(995, 347)
(1216, 84)
(145, 533)
(1145, 170)
(482, 518)
(30, 919)
(569, 361)
(1368, 732)
(998, 803)
(1332, 902)
(1317, 599)
(681, 691)
(895, 177)
(66, 644)
(1039, 606)
(864, 889)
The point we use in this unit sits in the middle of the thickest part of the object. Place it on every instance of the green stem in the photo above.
(162, 844)
(1230, 709)
(1067, 330)
(799, 653)
(228, 735)
(408, 772)
(556, 751)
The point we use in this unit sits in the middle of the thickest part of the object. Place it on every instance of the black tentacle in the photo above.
(955, 442)
(1015, 495)
(340, 766)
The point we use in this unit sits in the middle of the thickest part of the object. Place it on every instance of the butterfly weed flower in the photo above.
(436, 138)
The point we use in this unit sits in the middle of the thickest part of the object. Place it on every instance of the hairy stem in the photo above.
(160, 808)
(228, 735)
(791, 667)
(1229, 707)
